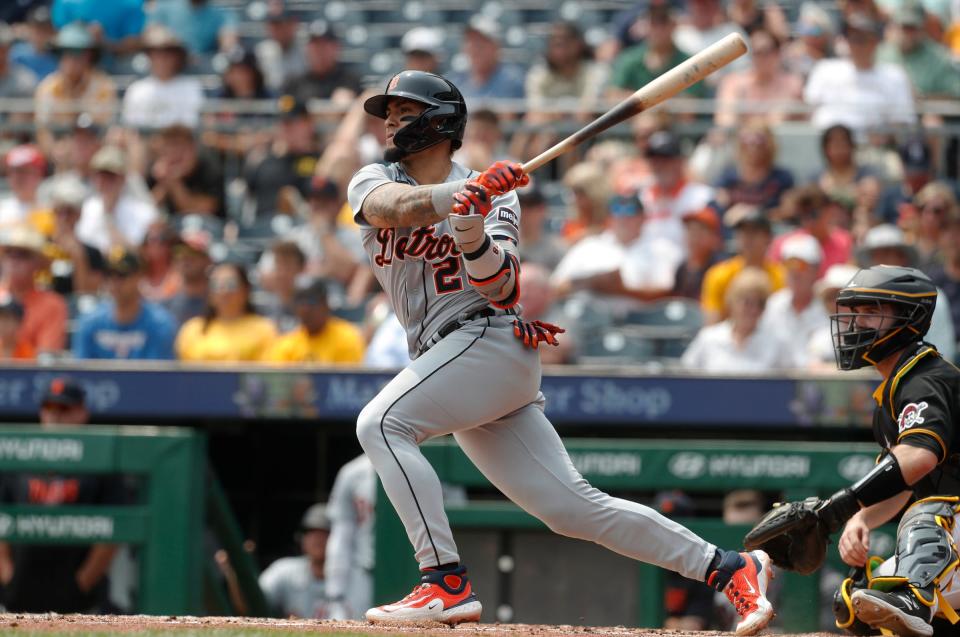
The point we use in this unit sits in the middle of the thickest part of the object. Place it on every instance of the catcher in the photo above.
(882, 316)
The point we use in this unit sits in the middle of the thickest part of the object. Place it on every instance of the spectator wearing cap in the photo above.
(230, 329)
(73, 151)
(16, 78)
(702, 23)
(44, 327)
(669, 195)
(703, 241)
(751, 234)
(295, 586)
(816, 215)
(946, 273)
(917, 161)
(332, 251)
(859, 91)
(64, 578)
(75, 267)
(128, 326)
(794, 313)
(191, 261)
(77, 86)
(540, 246)
(326, 77)
(815, 33)
(819, 354)
(289, 160)
(11, 318)
(766, 85)
(167, 96)
(320, 338)
(487, 75)
(203, 26)
(243, 79)
(932, 70)
(116, 24)
(754, 178)
(638, 65)
(422, 48)
(886, 245)
(281, 54)
(26, 168)
(933, 208)
(113, 216)
(740, 344)
(33, 52)
(183, 178)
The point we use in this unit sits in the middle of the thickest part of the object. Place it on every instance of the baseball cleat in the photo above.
(897, 611)
(441, 596)
(747, 591)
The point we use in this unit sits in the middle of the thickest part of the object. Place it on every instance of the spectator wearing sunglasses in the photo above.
(127, 326)
(230, 329)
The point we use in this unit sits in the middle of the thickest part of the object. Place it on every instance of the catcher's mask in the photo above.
(904, 299)
(445, 115)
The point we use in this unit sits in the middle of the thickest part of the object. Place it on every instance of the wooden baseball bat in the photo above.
(680, 77)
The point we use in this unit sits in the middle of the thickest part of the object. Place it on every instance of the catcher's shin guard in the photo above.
(843, 605)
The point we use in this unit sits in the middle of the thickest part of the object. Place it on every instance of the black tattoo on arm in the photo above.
(400, 206)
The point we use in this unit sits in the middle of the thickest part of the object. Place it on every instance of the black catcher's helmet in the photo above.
(444, 118)
(909, 291)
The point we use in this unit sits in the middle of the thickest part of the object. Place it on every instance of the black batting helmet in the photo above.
(444, 118)
(909, 291)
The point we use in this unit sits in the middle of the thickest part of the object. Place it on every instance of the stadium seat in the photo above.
(667, 326)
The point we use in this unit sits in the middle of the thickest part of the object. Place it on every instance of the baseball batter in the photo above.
(443, 242)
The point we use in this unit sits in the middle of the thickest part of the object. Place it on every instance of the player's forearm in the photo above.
(882, 512)
(96, 565)
(404, 206)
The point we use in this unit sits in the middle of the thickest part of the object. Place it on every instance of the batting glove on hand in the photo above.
(502, 177)
(532, 333)
(472, 200)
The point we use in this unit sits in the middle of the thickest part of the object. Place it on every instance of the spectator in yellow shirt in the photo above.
(320, 338)
(230, 329)
(752, 234)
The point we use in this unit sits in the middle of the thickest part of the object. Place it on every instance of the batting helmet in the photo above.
(444, 118)
(909, 291)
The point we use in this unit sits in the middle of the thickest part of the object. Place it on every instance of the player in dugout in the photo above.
(443, 243)
(881, 317)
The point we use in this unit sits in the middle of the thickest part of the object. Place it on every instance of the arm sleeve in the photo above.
(502, 226)
(367, 179)
(925, 414)
(343, 530)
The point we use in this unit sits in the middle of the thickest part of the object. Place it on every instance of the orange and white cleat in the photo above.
(441, 596)
(747, 591)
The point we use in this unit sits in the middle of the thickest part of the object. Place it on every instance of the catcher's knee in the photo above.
(925, 550)
(843, 607)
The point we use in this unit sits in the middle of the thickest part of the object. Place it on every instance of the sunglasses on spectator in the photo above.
(937, 210)
(224, 285)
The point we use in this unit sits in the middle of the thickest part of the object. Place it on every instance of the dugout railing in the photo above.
(177, 496)
(793, 469)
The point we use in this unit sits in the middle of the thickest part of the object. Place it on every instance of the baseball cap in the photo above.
(311, 291)
(8, 305)
(196, 240)
(74, 37)
(836, 277)
(315, 518)
(290, 107)
(123, 262)
(157, 36)
(862, 22)
(909, 14)
(323, 188)
(487, 27)
(814, 21)
(742, 215)
(24, 238)
(673, 504)
(885, 235)
(915, 154)
(624, 206)
(321, 30)
(26, 155)
(68, 190)
(39, 15)
(422, 40)
(64, 391)
(803, 247)
(707, 216)
(109, 159)
(663, 144)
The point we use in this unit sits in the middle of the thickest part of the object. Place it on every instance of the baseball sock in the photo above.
(452, 566)
(722, 568)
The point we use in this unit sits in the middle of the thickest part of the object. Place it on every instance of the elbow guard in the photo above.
(498, 284)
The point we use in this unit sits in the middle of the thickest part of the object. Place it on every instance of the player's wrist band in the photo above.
(884, 481)
(441, 196)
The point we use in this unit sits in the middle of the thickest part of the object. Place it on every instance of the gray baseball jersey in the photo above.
(480, 384)
(421, 269)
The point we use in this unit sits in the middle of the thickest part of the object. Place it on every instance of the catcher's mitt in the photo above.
(793, 535)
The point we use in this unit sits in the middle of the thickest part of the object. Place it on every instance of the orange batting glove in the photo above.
(502, 177)
(532, 333)
(472, 200)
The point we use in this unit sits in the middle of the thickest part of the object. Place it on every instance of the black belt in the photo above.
(451, 327)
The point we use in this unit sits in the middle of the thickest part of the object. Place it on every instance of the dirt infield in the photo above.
(12, 624)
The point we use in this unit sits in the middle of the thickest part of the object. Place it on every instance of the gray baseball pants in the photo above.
(480, 384)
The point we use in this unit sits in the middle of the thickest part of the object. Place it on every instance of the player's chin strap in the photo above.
(491, 270)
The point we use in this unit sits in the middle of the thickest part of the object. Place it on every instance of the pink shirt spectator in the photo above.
(837, 248)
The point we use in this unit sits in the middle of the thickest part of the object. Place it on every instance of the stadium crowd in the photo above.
(175, 186)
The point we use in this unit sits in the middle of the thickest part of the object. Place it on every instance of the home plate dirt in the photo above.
(11, 624)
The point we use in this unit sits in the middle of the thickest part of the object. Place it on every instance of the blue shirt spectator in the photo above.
(34, 52)
(128, 327)
(487, 76)
(199, 25)
(119, 19)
